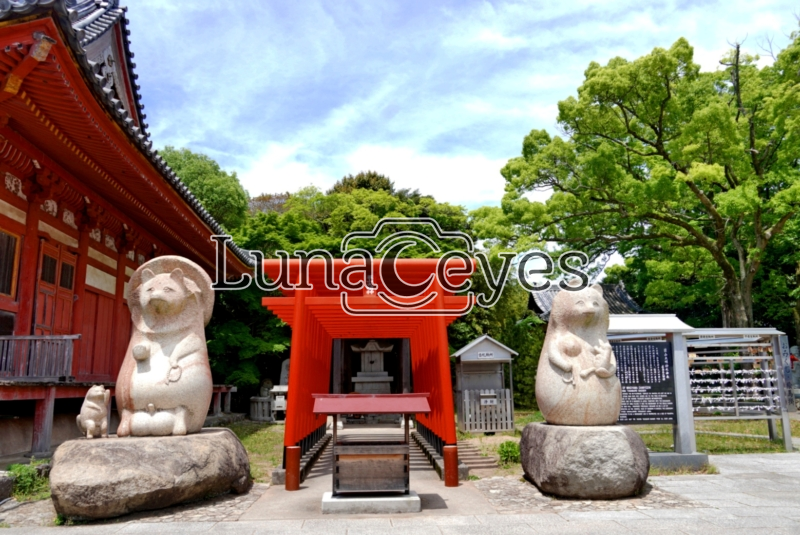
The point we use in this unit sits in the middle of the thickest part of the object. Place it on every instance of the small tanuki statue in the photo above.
(93, 418)
(576, 382)
(164, 385)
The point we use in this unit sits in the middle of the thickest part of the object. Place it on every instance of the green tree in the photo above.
(659, 154)
(315, 220)
(219, 192)
(363, 180)
(243, 337)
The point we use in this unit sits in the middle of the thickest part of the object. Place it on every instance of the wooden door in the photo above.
(54, 290)
(96, 335)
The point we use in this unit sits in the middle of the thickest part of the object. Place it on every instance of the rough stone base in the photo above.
(360, 505)
(674, 461)
(104, 478)
(6, 484)
(279, 476)
(592, 462)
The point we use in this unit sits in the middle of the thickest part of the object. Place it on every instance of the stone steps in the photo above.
(471, 456)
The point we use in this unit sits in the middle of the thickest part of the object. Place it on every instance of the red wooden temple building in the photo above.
(322, 332)
(84, 200)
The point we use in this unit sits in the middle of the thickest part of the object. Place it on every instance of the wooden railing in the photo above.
(36, 357)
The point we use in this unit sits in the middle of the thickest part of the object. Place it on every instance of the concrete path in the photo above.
(752, 495)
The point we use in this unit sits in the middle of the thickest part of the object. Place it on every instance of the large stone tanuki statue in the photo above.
(163, 393)
(164, 385)
(580, 452)
(576, 382)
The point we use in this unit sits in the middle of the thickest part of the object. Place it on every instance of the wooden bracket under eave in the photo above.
(37, 53)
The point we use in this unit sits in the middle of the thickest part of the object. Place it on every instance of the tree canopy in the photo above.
(700, 168)
(218, 191)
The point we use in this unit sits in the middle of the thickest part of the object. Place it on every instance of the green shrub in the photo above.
(508, 452)
(29, 485)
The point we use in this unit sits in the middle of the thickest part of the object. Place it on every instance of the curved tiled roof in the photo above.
(618, 299)
(82, 22)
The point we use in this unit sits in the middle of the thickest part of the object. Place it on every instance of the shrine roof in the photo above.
(618, 299)
(416, 403)
(82, 23)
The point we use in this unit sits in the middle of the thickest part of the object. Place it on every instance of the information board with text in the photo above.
(646, 374)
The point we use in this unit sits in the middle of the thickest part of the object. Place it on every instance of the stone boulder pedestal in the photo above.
(591, 462)
(104, 478)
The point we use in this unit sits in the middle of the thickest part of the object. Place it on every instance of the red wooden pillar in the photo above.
(28, 269)
(293, 467)
(451, 466)
(43, 423)
(80, 290)
(297, 366)
(120, 316)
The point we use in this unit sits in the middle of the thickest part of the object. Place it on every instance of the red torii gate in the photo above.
(317, 318)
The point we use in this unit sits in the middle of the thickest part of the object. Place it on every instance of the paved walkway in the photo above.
(752, 495)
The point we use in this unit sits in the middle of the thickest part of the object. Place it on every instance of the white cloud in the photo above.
(278, 169)
(471, 180)
(496, 39)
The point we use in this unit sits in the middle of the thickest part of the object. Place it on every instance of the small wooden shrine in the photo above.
(484, 401)
(369, 466)
(323, 332)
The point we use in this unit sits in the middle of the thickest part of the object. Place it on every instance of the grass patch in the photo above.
(683, 470)
(264, 445)
(659, 437)
(29, 486)
(473, 477)
(523, 418)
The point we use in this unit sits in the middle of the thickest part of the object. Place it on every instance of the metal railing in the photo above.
(37, 357)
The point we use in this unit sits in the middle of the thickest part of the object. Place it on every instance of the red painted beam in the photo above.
(33, 392)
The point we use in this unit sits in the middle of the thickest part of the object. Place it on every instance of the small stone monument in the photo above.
(93, 418)
(372, 379)
(163, 393)
(580, 452)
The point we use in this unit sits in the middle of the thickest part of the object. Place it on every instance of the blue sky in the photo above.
(436, 95)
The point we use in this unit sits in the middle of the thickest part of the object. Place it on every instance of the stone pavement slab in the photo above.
(752, 495)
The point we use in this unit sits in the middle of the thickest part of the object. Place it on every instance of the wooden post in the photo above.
(120, 320)
(780, 347)
(684, 438)
(228, 395)
(43, 423)
(292, 467)
(79, 291)
(405, 364)
(337, 367)
(217, 404)
(333, 452)
(450, 466)
(29, 270)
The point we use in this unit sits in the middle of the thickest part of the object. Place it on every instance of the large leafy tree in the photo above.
(219, 191)
(312, 219)
(658, 154)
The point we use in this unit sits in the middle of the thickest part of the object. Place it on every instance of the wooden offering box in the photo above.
(361, 465)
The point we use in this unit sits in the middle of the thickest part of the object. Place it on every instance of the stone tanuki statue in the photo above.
(580, 452)
(576, 382)
(93, 418)
(164, 385)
